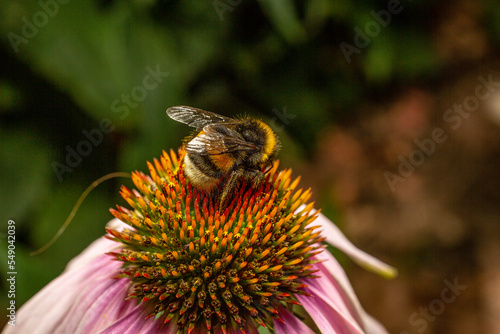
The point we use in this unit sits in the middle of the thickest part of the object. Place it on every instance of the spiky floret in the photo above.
(202, 268)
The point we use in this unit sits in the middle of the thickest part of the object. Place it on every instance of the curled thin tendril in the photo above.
(77, 206)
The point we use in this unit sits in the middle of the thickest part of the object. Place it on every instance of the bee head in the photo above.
(259, 133)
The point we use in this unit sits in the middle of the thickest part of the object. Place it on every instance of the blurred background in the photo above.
(389, 110)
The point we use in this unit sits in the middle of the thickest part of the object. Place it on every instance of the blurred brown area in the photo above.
(430, 208)
(439, 218)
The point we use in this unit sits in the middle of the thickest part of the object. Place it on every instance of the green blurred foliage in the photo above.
(253, 58)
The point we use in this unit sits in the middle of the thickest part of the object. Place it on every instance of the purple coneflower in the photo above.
(180, 265)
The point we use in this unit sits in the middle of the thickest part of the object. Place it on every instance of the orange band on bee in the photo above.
(223, 161)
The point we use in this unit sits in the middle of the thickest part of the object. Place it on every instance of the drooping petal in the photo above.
(372, 326)
(334, 289)
(328, 319)
(291, 324)
(331, 307)
(134, 323)
(84, 299)
(97, 248)
(45, 311)
(336, 238)
(89, 313)
(334, 307)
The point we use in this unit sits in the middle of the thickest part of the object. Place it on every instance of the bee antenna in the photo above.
(77, 206)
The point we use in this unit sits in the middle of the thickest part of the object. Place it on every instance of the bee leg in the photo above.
(257, 177)
(181, 166)
(229, 186)
(269, 166)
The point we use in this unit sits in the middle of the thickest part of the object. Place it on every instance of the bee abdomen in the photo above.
(200, 171)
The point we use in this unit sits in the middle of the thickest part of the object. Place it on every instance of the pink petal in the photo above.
(326, 318)
(134, 323)
(333, 278)
(292, 324)
(331, 307)
(89, 312)
(97, 248)
(83, 299)
(336, 238)
(46, 310)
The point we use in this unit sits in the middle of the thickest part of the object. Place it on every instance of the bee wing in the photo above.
(196, 118)
(218, 139)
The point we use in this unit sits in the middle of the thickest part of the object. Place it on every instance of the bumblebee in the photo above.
(222, 146)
